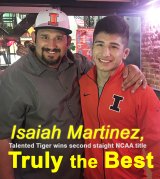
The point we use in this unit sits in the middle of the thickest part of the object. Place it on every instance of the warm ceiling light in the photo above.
(108, 0)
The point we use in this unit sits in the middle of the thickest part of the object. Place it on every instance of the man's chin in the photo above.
(52, 62)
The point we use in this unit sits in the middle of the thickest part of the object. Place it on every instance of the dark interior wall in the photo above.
(81, 7)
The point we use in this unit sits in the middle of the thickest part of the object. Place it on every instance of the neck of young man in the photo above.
(102, 77)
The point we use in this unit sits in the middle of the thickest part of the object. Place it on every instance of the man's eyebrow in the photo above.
(58, 35)
(98, 41)
(43, 34)
(114, 43)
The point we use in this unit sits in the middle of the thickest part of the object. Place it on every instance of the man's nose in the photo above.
(52, 43)
(106, 52)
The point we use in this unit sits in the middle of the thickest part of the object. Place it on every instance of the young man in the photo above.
(40, 94)
(106, 107)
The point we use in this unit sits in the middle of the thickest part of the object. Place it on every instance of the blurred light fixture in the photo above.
(151, 2)
(152, 15)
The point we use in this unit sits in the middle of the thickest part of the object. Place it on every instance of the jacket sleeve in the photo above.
(84, 65)
(12, 108)
(148, 115)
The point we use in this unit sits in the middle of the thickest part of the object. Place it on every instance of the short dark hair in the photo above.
(113, 24)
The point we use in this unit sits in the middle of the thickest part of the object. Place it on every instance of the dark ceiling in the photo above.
(86, 7)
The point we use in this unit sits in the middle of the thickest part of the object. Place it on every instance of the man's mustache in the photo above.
(51, 50)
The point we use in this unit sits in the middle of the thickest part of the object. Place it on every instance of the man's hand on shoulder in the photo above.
(133, 77)
(22, 50)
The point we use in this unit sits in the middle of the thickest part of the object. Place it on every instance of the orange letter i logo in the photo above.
(53, 19)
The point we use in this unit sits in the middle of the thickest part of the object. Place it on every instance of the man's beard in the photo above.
(51, 61)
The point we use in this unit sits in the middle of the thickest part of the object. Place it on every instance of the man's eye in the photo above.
(44, 37)
(99, 45)
(114, 47)
(59, 38)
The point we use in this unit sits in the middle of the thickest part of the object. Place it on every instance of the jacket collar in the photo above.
(92, 73)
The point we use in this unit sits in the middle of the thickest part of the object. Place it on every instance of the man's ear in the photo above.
(126, 53)
(69, 39)
(33, 37)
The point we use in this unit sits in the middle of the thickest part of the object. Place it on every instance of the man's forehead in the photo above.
(51, 31)
(106, 37)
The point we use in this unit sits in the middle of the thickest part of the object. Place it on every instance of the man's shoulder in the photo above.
(17, 65)
(83, 63)
(79, 57)
(16, 69)
(84, 79)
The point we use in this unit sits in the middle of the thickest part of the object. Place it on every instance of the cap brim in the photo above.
(67, 31)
